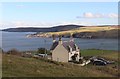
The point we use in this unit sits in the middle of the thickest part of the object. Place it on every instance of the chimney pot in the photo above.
(53, 38)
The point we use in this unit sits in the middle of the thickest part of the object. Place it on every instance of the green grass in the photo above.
(94, 52)
(16, 66)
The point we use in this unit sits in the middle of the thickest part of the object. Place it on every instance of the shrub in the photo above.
(14, 52)
(43, 51)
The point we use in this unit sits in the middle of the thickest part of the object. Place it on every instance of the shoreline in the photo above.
(110, 34)
(32, 36)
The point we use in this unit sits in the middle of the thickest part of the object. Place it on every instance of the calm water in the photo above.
(19, 41)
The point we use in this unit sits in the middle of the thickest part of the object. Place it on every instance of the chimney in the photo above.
(71, 37)
(53, 36)
(76, 47)
(70, 49)
(60, 39)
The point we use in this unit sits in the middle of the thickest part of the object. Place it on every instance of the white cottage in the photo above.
(65, 51)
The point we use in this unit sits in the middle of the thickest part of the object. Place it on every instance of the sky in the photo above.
(49, 14)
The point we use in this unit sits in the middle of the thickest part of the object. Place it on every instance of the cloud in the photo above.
(113, 15)
(88, 15)
(14, 24)
(98, 15)
(74, 22)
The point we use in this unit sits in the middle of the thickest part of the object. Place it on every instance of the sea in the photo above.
(19, 41)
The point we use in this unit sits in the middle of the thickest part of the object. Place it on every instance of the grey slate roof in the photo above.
(66, 44)
(69, 43)
(54, 45)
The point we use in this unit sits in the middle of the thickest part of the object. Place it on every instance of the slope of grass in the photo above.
(16, 66)
(0, 64)
(109, 54)
(93, 52)
(81, 29)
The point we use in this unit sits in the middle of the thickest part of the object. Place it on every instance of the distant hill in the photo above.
(84, 32)
(100, 34)
(51, 29)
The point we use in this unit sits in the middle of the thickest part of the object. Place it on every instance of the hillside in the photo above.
(51, 29)
(16, 66)
(85, 32)
(100, 34)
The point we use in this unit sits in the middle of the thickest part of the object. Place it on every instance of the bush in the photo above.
(43, 51)
(14, 52)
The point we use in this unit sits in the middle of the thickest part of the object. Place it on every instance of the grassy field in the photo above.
(16, 66)
(0, 64)
(81, 29)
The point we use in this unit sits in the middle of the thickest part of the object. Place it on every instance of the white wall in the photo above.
(60, 54)
(72, 53)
